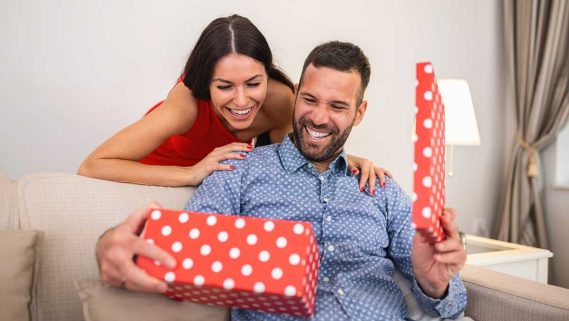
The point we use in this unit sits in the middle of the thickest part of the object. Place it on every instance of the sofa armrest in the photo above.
(497, 296)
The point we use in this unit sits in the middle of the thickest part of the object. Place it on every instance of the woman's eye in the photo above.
(223, 87)
(254, 84)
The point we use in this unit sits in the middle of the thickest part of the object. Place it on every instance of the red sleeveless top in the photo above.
(207, 133)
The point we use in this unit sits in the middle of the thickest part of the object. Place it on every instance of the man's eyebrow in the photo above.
(339, 102)
(229, 82)
(307, 95)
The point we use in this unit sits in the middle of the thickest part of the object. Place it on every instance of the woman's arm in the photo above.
(117, 158)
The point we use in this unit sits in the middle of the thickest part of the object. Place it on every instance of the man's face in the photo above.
(325, 111)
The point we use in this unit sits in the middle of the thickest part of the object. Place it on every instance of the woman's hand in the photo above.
(211, 162)
(368, 172)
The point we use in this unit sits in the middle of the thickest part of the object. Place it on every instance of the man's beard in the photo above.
(329, 151)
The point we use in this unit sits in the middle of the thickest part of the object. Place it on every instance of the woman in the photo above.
(229, 95)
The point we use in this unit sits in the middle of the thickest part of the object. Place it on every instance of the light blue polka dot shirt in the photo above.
(362, 238)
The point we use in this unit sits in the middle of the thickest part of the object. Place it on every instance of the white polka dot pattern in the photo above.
(429, 166)
(236, 255)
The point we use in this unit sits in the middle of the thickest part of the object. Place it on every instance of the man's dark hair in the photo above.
(233, 34)
(342, 56)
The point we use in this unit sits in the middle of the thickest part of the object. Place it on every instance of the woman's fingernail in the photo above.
(231, 167)
(372, 192)
(355, 171)
(383, 184)
(242, 156)
(361, 189)
(250, 146)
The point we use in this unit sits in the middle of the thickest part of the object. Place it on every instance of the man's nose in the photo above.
(240, 99)
(320, 115)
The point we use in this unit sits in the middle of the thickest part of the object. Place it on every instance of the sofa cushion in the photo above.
(102, 302)
(74, 211)
(19, 254)
(7, 203)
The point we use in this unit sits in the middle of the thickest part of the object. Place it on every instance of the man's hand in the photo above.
(436, 264)
(116, 249)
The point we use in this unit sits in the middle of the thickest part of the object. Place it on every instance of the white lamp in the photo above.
(460, 120)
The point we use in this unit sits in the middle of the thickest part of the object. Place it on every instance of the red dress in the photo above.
(207, 133)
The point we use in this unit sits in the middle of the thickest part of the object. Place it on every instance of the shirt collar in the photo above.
(292, 159)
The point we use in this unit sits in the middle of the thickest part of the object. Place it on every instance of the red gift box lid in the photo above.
(429, 166)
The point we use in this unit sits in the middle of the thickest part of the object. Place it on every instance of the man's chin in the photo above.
(314, 153)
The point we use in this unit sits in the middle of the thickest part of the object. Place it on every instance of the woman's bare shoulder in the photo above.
(279, 102)
(179, 109)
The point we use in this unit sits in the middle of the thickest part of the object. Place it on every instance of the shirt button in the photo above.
(331, 248)
(321, 178)
(328, 218)
(326, 279)
(325, 200)
(341, 292)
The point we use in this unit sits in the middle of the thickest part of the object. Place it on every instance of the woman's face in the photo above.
(238, 89)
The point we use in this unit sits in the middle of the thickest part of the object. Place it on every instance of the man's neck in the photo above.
(321, 167)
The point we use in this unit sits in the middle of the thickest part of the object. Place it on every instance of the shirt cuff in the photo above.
(448, 307)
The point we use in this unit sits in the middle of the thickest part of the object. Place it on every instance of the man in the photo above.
(362, 237)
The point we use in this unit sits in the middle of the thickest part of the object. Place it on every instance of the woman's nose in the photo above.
(240, 99)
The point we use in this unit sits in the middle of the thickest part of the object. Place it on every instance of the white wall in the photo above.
(75, 72)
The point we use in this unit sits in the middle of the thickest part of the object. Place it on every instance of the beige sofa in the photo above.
(72, 211)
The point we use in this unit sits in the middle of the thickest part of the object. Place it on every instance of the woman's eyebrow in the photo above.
(229, 82)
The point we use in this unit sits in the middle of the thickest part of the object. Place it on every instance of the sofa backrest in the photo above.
(7, 202)
(73, 211)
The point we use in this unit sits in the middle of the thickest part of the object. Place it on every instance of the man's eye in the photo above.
(223, 87)
(254, 84)
(309, 100)
(338, 107)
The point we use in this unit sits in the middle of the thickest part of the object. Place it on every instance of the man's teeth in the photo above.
(240, 111)
(315, 134)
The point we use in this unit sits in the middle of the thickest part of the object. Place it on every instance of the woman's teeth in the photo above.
(316, 135)
(240, 112)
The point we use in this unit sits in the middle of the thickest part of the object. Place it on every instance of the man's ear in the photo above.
(360, 112)
(296, 88)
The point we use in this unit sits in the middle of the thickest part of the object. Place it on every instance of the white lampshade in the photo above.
(460, 120)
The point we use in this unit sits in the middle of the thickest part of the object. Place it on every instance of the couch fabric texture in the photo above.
(102, 302)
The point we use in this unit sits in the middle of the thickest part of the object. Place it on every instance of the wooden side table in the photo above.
(514, 259)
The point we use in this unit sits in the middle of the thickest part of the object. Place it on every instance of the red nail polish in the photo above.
(250, 146)
(373, 193)
(242, 156)
(231, 167)
(361, 189)
(383, 184)
(354, 171)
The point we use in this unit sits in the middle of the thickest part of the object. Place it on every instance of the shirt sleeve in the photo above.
(220, 193)
(397, 208)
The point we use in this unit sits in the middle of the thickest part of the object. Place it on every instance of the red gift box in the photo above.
(249, 263)
(429, 167)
